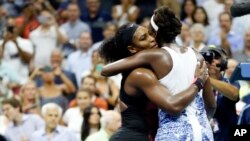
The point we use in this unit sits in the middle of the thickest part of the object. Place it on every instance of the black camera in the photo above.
(211, 52)
(10, 29)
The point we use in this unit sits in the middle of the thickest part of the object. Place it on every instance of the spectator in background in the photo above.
(46, 38)
(9, 78)
(228, 4)
(27, 22)
(13, 7)
(213, 9)
(56, 59)
(200, 16)
(126, 12)
(18, 52)
(172, 4)
(80, 61)
(52, 131)
(224, 37)
(73, 28)
(51, 92)
(244, 55)
(198, 35)
(91, 123)
(3, 14)
(73, 117)
(110, 122)
(184, 39)
(109, 30)
(96, 18)
(23, 125)
(29, 97)
(231, 65)
(244, 118)
(145, 22)
(187, 9)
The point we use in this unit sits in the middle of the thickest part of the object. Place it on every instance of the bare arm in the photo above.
(144, 80)
(25, 56)
(226, 89)
(141, 59)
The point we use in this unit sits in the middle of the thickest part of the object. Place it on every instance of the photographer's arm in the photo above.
(228, 90)
(209, 99)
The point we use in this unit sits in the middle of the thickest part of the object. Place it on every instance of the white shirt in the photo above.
(44, 42)
(73, 118)
(17, 64)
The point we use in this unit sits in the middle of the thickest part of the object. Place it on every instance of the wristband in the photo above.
(199, 83)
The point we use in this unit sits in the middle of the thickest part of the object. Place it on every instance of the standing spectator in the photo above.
(23, 125)
(244, 55)
(27, 22)
(30, 98)
(110, 122)
(73, 27)
(91, 123)
(126, 12)
(198, 36)
(96, 18)
(224, 37)
(187, 9)
(80, 61)
(52, 131)
(73, 117)
(45, 38)
(18, 52)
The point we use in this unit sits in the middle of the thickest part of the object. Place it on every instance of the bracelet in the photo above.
(199, 83)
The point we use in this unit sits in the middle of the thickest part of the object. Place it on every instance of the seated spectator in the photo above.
(45, 38)
(13, 7)
(96, 18)
(52, 131)
(73, 117)
(198, 35)
(73, 28)
(184, 39)
(51, 92)
(110, 122)
(187, 8)
(56, 60)
(83, 54)
(28, 123)
(27, 22)
(174, 5)
(244, 54)
(89, 83)
(126, 12)
(18, 52)
(91, 123)
(30, 98)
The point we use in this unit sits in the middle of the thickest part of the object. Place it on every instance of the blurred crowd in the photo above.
(50, 67)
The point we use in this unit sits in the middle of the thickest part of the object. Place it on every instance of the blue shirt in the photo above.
(225, 114)
(59, 134)
(78, 63)
(235, 40)
(96, 23)
(244, 118)
(30, 123)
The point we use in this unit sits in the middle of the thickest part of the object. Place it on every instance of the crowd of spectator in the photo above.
(51, 87)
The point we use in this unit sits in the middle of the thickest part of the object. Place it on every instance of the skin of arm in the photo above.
(226, 89)
(144, 80)
(141, 59)
(26, 57)
(68, 85)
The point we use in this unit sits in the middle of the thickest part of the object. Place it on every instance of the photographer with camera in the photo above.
(227, 94)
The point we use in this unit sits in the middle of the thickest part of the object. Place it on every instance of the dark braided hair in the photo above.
(116, 47)
(169, 25)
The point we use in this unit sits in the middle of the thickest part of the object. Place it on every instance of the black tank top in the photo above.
(134, 117)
